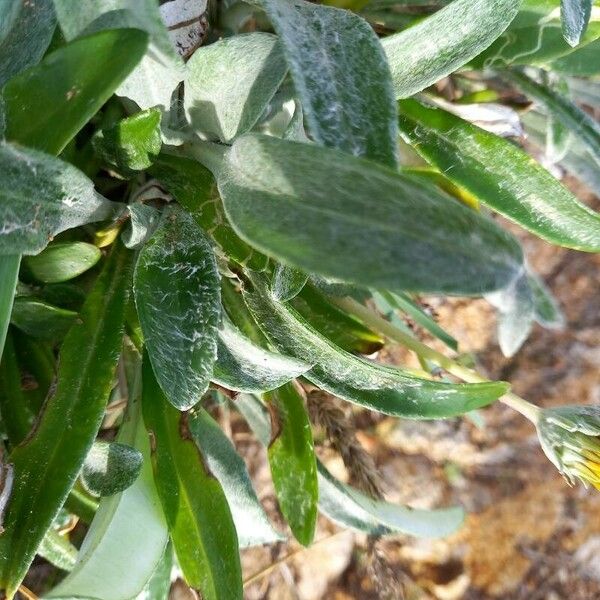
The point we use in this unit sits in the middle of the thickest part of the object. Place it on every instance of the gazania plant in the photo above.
(232, 206)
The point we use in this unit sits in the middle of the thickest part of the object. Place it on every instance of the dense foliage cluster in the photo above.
(237, 204)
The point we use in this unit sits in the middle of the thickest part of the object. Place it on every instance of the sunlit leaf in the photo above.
(230, 83)
(245, 367)
(445, 41)
(251, 522)
(410, 239)
(341, 76)
(49, 103)
(574, 15)
(501, 176)
(287, 282)
(41, 196)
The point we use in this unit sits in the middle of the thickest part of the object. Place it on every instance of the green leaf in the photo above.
(177, 294)
(584, 62)
(445, 41)
(142, 223)
(293, 462)
(408, 306)
(58, 551)
(9, 274)
(41, 196)
(49, 103)
(412, 238)
(350, 508)
(574, 15)
(515, 314)
(342, 329)
(24, 35)
(131, 144)
(229, 83)
(560, 107)
(375, 386)
(547, 312)
(159, 584)
(161, 69)
(127, 538)
(341, 76)
(193, 500)
(287, 282)
(534, 38)
(195, 189)
(245, 367)
(17, 415)
(501, 176)
(40, 319)
(62, 261)
(110, 468)
(222, 460)
(48, 462)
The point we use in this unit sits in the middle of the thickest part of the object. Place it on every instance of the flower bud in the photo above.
(570, 438)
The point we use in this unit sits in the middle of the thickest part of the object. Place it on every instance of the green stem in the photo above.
(384, 327)
(9, 271)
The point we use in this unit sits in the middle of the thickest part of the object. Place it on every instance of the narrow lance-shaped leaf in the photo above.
(547, 312)
(49, 103)
(341, 76)
(438, 45)
(412, 238)
(348, 507)
(560, 107)
(177, 294)
(41, 196)
(375, 386)
(230, 83)
(293, 462)
(47, 463)
(25, 33)
(575, 15)
(251, 522)
(127, 538)
(501, 176)
(195, 506)
(245, 367)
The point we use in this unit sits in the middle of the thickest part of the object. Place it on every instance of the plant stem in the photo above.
(528, 410)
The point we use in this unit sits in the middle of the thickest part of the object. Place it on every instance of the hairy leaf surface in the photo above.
(230, 83)
(501, 176)
(382, 388)
(177, 294)
(341, 76)
(445, 41)
(411, 238)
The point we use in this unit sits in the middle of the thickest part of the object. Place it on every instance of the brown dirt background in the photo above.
(528, 535)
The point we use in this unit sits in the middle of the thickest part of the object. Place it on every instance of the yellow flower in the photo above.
(570, 437)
